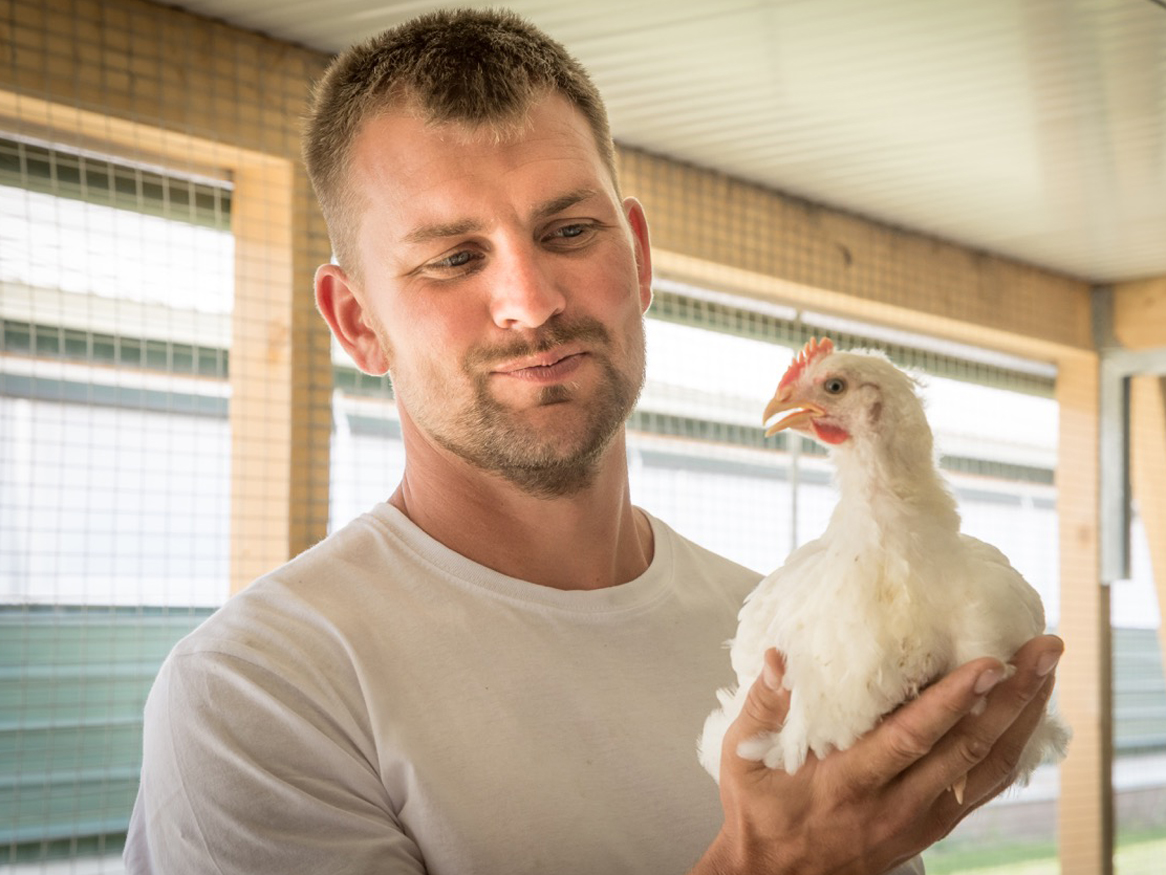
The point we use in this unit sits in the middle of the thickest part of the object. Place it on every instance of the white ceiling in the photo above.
(1034, 129)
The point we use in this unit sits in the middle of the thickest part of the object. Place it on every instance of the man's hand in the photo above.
(888, 797)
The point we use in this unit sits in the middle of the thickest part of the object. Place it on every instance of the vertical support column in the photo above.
(1139, 324)
(1084, 681)
(1148, 477)
(261, 404)
(311, 379)
(1114, 443)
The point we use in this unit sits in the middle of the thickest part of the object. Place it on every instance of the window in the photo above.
(115, 299)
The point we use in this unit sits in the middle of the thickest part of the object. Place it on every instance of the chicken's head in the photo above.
(837, 397)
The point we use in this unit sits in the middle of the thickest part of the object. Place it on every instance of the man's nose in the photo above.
(527, 291)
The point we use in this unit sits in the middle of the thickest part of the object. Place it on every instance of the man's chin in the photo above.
(557, 394)
(559, 478)
(548, 466)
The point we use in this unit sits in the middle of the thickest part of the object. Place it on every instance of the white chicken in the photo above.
(892, 595)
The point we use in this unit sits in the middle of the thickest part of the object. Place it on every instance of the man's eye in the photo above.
(458, 259)
(571, 232)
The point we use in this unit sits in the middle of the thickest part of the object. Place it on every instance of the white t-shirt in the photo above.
(381, 704)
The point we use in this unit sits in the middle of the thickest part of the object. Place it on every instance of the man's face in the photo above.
(505, 284)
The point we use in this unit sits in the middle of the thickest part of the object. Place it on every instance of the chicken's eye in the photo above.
(835, 386)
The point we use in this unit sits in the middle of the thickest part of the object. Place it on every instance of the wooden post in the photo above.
(1084, 681)
(1140, 324)
(311, 374)
(1148, 477)
(261, 379)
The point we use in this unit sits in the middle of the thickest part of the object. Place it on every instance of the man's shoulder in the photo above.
(692, 558)
(301, 601)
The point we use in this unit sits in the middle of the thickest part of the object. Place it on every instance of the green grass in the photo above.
(1034, 857)
(1135, 854)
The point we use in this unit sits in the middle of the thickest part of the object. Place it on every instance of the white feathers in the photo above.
(890, 597)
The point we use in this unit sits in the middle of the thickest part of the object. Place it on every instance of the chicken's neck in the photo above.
(894, 485)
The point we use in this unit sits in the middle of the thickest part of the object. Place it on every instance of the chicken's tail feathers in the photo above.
(1048, 743)
(1056, 736)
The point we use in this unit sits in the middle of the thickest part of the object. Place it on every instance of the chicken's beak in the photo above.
(804, 411)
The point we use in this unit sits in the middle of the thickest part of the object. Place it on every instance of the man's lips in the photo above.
(544, 367)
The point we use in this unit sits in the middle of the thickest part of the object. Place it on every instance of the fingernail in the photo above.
(769, 676)
(987, 680)
(1047, 663)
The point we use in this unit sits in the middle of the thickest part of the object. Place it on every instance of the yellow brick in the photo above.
(30, 15)
(116, 80)
(28, 38)
(90, 55)
(61, 66)
(117, 40)
(146, 65)
(147, 25)
(117, 16)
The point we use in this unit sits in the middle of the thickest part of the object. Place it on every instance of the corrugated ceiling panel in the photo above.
(1030, 128)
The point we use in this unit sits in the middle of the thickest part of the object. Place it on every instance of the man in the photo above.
(505, 667)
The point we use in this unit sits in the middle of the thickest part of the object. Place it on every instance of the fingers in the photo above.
(911, 732)
(999, 770)
(938, 721)
(987, 747)
(888, 795)
(764, 709)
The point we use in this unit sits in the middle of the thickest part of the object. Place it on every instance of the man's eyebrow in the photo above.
(563, 202)
(543, 211)
(448, 229)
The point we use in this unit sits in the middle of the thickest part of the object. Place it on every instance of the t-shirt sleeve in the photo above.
(245, 772)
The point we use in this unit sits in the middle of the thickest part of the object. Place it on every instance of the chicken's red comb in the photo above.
(811, 352)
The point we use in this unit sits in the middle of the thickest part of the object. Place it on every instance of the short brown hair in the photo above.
(480, 68)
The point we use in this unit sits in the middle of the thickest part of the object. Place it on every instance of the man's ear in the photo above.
(634, 210)
(338, 303)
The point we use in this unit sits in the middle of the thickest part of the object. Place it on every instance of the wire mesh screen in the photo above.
(174, 419)
(114, 462)
(149, 243)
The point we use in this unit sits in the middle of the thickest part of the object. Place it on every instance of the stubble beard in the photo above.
(542, 463)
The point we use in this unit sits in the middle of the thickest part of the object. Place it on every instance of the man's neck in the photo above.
(589, 540)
